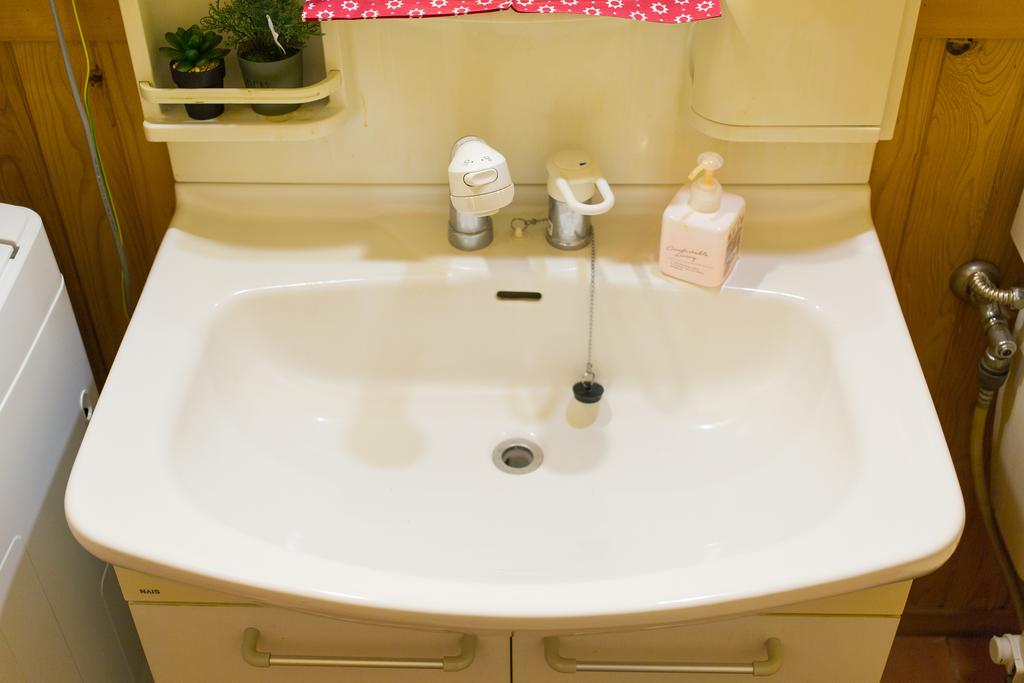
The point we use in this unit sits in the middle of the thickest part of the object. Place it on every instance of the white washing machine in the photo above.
(61, 614)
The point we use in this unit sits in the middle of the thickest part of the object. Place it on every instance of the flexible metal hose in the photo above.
(981, 492)
(983, 287)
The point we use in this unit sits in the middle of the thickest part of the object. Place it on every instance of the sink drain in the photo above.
(518, 456)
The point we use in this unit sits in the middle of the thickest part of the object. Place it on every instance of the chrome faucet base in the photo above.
(568, 230)
(468, 232)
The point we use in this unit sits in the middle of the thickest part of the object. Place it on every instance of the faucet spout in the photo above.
(467, 231)
(479, 184)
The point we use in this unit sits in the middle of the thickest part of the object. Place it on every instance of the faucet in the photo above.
(479, 185)
(573, 180)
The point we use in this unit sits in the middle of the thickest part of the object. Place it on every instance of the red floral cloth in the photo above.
(660, 11)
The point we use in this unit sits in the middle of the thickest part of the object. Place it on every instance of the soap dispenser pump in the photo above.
(706, 193)
(701, 228)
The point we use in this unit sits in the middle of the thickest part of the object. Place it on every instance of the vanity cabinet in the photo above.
(204, 642)
(844, 639)
(193, 634)
(845, 649)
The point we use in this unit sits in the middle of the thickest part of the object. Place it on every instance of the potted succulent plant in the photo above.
(196, 62)
(268, 36)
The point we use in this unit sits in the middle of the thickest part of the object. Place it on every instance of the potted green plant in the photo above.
(196, 62)
(268, 36)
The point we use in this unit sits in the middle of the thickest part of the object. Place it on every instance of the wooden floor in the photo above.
(916, 659)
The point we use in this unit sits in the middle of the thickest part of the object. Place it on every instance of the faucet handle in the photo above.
(574, 178)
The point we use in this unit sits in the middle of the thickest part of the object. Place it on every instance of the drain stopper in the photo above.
(587, 392)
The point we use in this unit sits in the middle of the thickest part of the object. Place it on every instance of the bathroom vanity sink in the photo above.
(330, 409)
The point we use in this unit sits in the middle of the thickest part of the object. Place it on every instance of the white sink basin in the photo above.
(307, 415)
(388, 433)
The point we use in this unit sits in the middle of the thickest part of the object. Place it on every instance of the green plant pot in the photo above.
(284, 73)
(214, 78)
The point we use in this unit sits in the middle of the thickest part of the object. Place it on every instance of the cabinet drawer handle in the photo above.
(762, 667)
(257, 658)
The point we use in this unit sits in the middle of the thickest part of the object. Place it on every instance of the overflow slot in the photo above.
(506, 295)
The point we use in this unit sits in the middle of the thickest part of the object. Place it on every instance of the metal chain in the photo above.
(588, 375)
(519, 226)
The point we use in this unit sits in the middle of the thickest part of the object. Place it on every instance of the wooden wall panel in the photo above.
(138, 168)
(944, 191)
(976, 102)
(73, 185)
(971, 19)
(138, 171)
(30, 20)
(894, 173)
(24, 181)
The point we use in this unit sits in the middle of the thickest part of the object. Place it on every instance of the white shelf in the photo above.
(239, 123)
(164, 117)
(308, 93)
(819, 134)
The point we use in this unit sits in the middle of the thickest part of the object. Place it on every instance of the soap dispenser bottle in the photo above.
(700, 229)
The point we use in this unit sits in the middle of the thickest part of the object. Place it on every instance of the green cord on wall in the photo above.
(84, 107)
